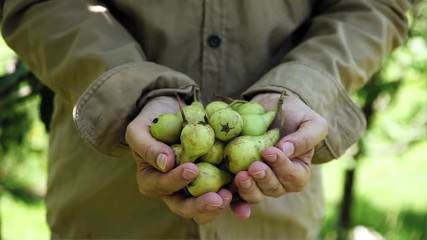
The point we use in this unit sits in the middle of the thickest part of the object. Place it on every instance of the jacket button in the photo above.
(214, 41)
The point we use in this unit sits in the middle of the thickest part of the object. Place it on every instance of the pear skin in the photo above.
(210, 179)
(242, 151)
(194, 112)
(226, 123)
(215, 154)
(196, 140)
(214, 106)
(166, 128)
(250, 108)
(257, 124)
(177, 150)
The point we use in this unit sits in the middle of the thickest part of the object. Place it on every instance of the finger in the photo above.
(309, 133)
(226, 196)
(147, 148)
(266, 179)
(139, 138)
(292, 174)
(247, 188)
(152, 182)
(202, 209)
(241, 208)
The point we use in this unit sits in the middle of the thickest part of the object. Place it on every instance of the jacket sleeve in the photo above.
(344, 43)
(89, 60)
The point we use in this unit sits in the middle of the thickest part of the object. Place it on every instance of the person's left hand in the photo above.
(287, 167)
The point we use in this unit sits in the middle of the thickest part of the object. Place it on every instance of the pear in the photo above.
(196, 140)
(249, 108)
(240, 152)
(215, 154)
(166, 128)
(257, 124)
(177, 150)
(226, 123)
(210, 179)
(194, 112)
(214, 106)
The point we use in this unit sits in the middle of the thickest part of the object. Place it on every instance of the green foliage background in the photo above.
(390, 195)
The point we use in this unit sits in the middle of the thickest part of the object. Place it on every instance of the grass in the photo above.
(22, 221)
(390, 194)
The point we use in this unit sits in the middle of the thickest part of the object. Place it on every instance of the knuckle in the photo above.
(129, 132)
(323, 124)
(144, 191)
(255, 199)
(275, 191)
(297, 187)
(144, 150)
(181, 212)
(293, 183)
(305, 143)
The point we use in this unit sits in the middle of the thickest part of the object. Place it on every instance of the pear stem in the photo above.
(235, 101)
(195, 94)
(279, 108)
(228, 98)
(181, 109)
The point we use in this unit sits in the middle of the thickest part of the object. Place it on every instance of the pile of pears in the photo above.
(222, 138)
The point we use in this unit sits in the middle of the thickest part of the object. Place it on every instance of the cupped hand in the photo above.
(156, 172)
(287, 167)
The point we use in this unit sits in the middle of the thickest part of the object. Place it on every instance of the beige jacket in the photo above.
(104, 59)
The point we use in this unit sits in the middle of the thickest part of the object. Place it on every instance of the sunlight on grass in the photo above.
(396, 181)
(21, 221)
(389, 196)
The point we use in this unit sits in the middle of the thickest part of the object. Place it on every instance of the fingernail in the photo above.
(259, 174)
(246, 184)
(211, 207)
(161, 161)
(271, 158)
(288, 148)
(188, 174)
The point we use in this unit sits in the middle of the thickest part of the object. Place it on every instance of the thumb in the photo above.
(306, 137)
(147, 148)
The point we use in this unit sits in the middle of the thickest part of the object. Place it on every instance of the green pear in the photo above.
(214, 106)
(215, 154)
(194, 112)
(210, 179)
(166, 128)
(226, 123)
(196, 140)
(240, 152)
(257, 124)
(250, 108)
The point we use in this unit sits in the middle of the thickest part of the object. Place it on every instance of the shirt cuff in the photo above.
(102, 113)
(326, 96)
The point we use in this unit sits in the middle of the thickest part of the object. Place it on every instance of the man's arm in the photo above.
(89, 60)
(344, 43)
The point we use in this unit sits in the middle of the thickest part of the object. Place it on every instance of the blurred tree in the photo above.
(18, 88)
(379, 87)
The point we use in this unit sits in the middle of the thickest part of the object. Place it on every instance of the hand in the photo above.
(156, 174)
(287, 167)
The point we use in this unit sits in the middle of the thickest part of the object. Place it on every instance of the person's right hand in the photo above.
(156, 174)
